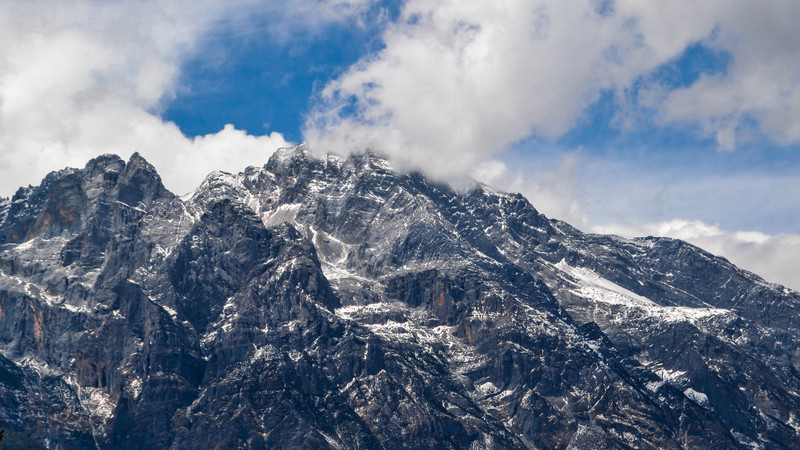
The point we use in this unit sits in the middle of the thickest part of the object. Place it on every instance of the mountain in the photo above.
(335, 303)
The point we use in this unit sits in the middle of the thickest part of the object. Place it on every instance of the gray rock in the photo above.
(335, 303)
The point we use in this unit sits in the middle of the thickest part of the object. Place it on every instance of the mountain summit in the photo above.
(334, 303)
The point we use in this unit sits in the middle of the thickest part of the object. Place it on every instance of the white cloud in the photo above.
(83, 77)
(460, 81)
(762, 83)
(773, 257)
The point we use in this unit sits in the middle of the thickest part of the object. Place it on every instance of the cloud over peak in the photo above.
(457, 82)
(460, 81)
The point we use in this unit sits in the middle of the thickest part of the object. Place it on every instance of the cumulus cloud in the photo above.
(773, 257)
(460, 81)
(762, 84)
(83, 77)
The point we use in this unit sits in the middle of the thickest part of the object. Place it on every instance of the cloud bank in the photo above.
(460, 81)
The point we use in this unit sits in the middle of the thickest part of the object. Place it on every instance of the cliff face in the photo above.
(335, 303)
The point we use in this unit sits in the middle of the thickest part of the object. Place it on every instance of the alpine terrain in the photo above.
(335, 303)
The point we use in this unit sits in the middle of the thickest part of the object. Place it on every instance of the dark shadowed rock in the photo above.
(335, 303)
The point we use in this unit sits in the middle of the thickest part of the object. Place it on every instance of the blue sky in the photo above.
(259, 81)
(630, 117)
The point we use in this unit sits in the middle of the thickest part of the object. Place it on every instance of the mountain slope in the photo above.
(336, 303)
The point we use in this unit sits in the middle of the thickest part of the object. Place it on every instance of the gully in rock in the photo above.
(336, 303)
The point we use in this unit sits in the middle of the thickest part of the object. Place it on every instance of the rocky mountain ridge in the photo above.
(334, 303)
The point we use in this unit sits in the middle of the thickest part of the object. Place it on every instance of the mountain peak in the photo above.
(287, 155)
(106, 163)
(336, 303)
(140, 183)
(137, 160)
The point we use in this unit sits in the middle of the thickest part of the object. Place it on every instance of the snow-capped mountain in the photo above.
(335, 303)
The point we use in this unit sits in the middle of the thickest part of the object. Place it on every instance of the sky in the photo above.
(677, 118)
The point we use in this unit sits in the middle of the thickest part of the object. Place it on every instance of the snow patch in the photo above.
(333, 273)
(281, 214)
(97, 403)
(698, 397)
(487, 388)
(590, 285)
(793, 422)
(40, 367)
(295, 355)
(284, 155)
(169, 311)
(671, 375)
(352, 311)
(329, 249)
(134, 387)
(264, 352)
(131, 207)
(654, 386)
(746, 441)
(330, 440)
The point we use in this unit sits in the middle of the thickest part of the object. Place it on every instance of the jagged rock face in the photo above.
(329, 303)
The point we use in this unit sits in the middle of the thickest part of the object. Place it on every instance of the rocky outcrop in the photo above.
(330, 303)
